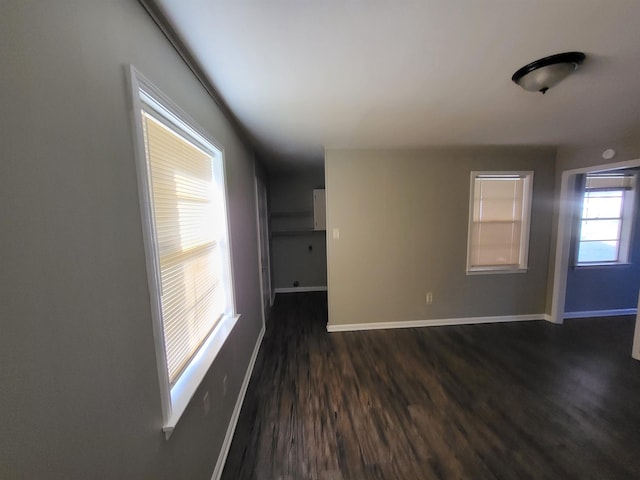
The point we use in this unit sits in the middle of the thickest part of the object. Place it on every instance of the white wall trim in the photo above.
(563, 245)
(436, 322)
(300, 289)
(226, 444)
(601, 313)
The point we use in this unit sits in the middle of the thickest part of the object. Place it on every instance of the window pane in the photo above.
(598, 251)
(606, 209)
(602, 205)
(600, 230)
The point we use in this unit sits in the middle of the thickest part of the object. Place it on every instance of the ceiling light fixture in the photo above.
(541, 75)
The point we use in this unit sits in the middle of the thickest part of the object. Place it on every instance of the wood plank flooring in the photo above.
(527, 400)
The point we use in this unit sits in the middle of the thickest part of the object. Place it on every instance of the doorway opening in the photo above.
(564, 240)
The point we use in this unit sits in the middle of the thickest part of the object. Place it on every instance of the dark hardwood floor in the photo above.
(527, 400)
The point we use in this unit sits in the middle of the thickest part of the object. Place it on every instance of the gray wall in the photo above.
(403, 221)
(80, 395)
(292, 259)
(602, 288)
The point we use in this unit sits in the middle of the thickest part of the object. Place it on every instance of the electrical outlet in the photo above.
(429, 298)
(224, 386)
(205, 403)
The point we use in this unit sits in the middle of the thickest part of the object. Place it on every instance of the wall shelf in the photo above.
(300, 222)
(293, 214)
(307, 231)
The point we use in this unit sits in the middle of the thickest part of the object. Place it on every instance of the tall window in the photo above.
(606, 219)
(499, 213)
(183, 201)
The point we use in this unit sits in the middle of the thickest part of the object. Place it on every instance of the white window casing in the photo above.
(499, 220)
(188, 253)
(606, 219)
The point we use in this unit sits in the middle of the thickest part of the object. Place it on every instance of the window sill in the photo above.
(494, 270)
(184, 389)
(581, 266)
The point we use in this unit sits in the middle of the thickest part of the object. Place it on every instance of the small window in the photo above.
(183, 202)
(606, 219)
(500, 204)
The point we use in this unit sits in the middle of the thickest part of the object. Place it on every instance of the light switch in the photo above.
(336, 233)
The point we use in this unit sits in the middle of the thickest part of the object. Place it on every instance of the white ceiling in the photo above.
(302, 75)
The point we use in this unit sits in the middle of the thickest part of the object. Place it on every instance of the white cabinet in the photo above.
(301, 222)
(319, 210)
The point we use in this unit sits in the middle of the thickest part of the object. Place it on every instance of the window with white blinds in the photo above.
(606, 219)
(183, 200)
(500, 205)
(188, 215)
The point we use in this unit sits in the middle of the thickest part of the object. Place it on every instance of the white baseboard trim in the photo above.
(226, 444)
(300, 289)
(436, 322)
(601, 313)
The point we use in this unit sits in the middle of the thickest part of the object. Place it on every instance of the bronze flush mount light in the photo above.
(541, 75)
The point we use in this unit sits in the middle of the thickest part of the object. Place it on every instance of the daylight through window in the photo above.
(605, 223)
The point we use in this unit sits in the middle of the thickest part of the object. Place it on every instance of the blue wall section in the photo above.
(606, 287)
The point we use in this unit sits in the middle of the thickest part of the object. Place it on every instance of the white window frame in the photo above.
(527, 193)
(626, 227)
(175, 399)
